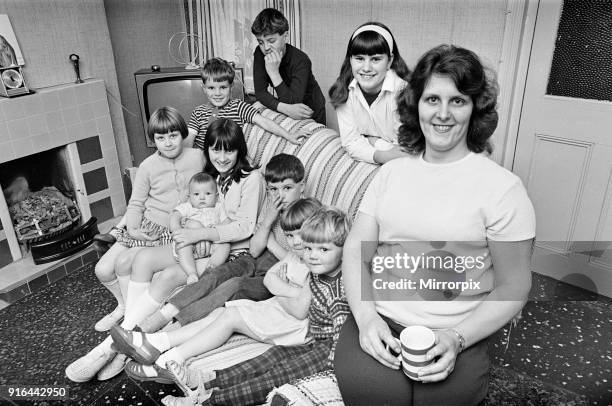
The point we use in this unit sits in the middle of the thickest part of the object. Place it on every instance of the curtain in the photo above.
(223, 29)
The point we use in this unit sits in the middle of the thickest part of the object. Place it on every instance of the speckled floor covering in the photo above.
(559, 354)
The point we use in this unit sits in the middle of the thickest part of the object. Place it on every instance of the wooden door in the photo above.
(564, 146)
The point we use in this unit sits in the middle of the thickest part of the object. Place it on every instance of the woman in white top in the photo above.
(447, 201)
(364, 95)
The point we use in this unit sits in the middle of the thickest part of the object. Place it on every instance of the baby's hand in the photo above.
(192, 279)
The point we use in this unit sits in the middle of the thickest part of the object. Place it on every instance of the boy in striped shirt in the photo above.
(217, 78)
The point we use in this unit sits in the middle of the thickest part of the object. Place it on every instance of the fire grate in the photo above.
(66, 244)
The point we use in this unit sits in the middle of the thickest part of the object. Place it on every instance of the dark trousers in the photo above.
(239, 279)
(364, 381)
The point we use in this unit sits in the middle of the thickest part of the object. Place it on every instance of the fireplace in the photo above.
(58, 143)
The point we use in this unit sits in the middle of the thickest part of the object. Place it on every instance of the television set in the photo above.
(176, 87)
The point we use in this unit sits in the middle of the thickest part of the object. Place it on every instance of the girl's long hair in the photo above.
(365, 43)
(227, 135)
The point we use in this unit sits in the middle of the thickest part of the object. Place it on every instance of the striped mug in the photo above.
(416, 341)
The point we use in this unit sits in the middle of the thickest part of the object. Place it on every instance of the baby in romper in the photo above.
(201, 210)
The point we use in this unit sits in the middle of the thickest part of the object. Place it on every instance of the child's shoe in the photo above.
(113, 368)
(140, 350)
(86, 367)
(106, 322)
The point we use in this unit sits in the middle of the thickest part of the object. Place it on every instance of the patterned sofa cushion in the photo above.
(332, 176)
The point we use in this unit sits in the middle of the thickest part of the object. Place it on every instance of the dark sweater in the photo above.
(298, 85)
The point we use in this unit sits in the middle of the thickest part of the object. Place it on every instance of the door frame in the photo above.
(519, 80)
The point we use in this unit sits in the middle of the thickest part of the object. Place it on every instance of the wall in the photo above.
(416, 25)
(139, 32)
(49, 31)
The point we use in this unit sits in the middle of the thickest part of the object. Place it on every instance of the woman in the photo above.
(364, 95)
(451, 199)
(242, 190)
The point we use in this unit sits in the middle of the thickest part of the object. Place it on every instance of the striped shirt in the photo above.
(328, 308)
(236, 110)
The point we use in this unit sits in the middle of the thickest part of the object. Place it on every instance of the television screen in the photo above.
(175, 87)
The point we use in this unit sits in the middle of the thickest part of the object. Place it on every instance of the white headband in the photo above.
(378, 29)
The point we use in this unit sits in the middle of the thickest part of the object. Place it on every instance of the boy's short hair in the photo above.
(165, 120)
(284, 166)
(268, 22)
(326, 225)
(201, 178)
(218, 70)
(297, 212)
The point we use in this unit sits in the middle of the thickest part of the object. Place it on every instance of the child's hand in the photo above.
(298, 111)
(272, 61)
(192, 279)
(298, 137)
(275, 207)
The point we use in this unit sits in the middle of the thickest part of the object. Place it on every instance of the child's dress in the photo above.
(267, 319)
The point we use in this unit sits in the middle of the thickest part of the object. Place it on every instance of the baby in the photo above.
(202, 210)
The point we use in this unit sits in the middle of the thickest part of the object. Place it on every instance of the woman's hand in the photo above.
(138, 234)
(186, 236)
(447, 348)
(375, 337)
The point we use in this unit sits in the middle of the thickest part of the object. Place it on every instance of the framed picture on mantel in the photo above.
(10, 53)
(12, 82)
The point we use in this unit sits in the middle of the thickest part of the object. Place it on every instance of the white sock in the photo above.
(114, 288)
(144, 306)
(169, 311)
(104, 347)
(171, 354)
(159, 341)
(124, 280)
(135, 290)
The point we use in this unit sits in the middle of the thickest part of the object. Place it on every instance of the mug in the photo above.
(416, 341)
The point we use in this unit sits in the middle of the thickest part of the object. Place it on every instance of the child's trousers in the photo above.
(239, 279)
(249, 382)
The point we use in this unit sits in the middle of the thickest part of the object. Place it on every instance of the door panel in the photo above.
(564, 157)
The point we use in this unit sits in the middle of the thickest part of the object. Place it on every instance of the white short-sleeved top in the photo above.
(454, 207)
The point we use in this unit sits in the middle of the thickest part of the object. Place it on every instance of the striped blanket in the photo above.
(332, 176)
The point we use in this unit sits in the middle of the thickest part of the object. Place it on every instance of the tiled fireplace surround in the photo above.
(75, 116)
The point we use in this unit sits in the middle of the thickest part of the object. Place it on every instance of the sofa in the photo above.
(332, 177)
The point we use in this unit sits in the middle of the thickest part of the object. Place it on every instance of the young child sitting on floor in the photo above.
(323, 299)
(201, 210)
(269, 321)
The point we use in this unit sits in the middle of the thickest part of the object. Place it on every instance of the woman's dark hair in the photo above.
(464, 68)
(165, 120)
(227, 135)
(365, 43)
(269, 21)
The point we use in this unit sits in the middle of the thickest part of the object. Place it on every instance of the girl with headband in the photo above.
(364, 95)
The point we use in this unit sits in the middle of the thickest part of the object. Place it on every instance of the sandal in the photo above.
(123, 340)
(148, 373)
(182, 376)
